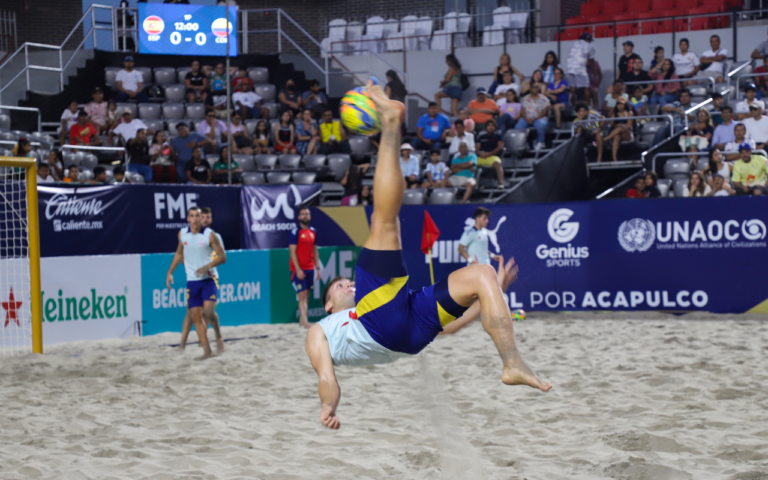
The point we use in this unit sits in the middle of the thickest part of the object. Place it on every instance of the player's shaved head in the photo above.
(193, 209)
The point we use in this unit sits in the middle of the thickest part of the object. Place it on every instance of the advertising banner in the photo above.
(186, 29)
(337, 261)
(269, 213)
(675, 254)
(244, 291)
(117, 219)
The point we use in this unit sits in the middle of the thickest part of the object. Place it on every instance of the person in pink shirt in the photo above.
(665, 92)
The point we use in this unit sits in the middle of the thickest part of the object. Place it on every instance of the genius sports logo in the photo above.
(639, 235)
(562, 230)
(153, 25)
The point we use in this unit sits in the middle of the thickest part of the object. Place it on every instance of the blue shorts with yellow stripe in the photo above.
(396, 317)
(201, 291)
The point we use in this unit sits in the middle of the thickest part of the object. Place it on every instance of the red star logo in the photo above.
(185, 243)
(353, 315)
(12, 307)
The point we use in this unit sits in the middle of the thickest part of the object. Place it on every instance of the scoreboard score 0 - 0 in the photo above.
(186, 29)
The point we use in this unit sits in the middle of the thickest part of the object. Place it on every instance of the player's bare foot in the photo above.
(219, 346)
(304, 324)
(521, 374)
(208, 354)
(390, 111)
(180, 349)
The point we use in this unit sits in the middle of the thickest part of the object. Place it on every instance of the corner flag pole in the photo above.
(431, 271)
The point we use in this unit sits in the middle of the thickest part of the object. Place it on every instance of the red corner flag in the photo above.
(430, 233)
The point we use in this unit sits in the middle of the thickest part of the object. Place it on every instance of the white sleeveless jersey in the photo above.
(197, 252)
(351, 344)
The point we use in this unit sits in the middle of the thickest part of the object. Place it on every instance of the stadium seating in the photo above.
(253, 178)
(413, 196)
(339, 163)
(165, 75)
(304, 178)
(149, 111)
(443, 196)
(129, 105)
(195, 110)
(266, 162)
(258, 75)
(314, 162)
(289, 161)
(173, 111)
(278, 178)
(175, 93)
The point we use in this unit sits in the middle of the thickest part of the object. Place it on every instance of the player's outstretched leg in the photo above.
(479, 283)
(211, 318)
(388, 180)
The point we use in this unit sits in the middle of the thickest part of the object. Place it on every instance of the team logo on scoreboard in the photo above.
(154, 25)
(219, 27)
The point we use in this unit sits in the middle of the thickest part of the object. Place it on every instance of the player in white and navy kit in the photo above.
(196, 248)
(210, 317)
(473, 245)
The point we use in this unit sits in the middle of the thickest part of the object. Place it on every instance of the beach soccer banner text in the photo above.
(269, 213)
(673, 254)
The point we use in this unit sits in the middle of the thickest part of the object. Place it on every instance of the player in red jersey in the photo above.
(303, 252)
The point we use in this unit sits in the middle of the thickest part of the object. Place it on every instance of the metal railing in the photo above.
(746, 75)
(673, 80)
(668, 116)
(8, 36)
(63, 65)
(621, 184)
(122, 31)
(692, 154)
(26, 109)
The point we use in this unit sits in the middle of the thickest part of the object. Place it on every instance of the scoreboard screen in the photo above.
(186, 29)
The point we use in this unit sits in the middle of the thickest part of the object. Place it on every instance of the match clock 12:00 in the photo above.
(169, 29)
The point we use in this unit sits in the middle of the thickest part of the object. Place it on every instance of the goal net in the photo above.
(20, 315)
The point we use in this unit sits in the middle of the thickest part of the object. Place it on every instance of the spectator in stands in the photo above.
(314, 99)
(687, 63)
(261, 138)
(761, 51)
(222, 166)
(717, 166)
(621, 130)
(248, 102)
(626, 61)
(214, 130)
(658, 59)
(217, 102)
(130, 83)
(638, 100)
(366, 195)
(44, 174)
(238, 136)
(557, 92)
(595, 79)
(409, 165)
(699, 135)
(196, 83)
(762, 85)
(73, 174)
(720, 187)
(23, 148)
(285, 134)
(696, 187)
(198, 170)
(182, 146)
(217, 79)
(504, 66)
(713, 60)
(128, 128)
(289, 99)
(749, 172)
(68, 118)
(113, 116)
(83, 132)
(463, 168)
(637, 74)
(652, 185)
(451, 85)
(716, 109)
(509, 112)
(639, 190)
(665, 93)
(436, 172)
(739, 138)
(609, 103)
(352, 183)
(97, 110)
(160, 158)
(581, 58)
(241, 78)
(548, 66)
(757, 126)
(489, 148)
(99, 175)
(333, 137)
(431, 129)
(743, 107)
(55, 160)
(534, 114)
(678, 110)
(482, 109)
(138, 155)
(469, 125)
(591, 129)
(395, 89)
(501, 89)
(462, 136)
(723, 133)
(306, 134)
(537, 77)
(118, 173)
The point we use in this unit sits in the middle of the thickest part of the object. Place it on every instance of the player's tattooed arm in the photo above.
(178, 257)
(319, 353)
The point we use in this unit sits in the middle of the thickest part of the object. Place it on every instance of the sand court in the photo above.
(641, 396)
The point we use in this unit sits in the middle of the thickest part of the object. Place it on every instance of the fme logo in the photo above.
(562, 230)
(167, 206)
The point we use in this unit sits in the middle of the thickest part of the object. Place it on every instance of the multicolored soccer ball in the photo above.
(518, 315)
(359, 114)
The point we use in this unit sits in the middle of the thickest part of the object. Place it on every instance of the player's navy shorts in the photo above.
(396, 317)
(199, 291)
(301, 285)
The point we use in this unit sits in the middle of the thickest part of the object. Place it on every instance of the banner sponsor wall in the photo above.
(269, 213)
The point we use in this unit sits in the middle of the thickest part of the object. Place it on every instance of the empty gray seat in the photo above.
(5, 121)
(289, 161)
(146, 74)
(175, 93)
(109, 77)
(253, 178)
(266, 91)
(132, 106)
(89, 161)
(181, 74)
(648, 131)
(516, 143)
(278, 178)
(173, 110)
(71, 159)
(258, 74)
(699, 90)
(212, 159)
(155, 125)
(266, 162)
(195, 110)
(165, 75)
(149, 111)
(272, 108)
(664, 185)
(442, 196)
(702, 163)
(677, 168)
(304, 178)
(246, 162)
(680, 185)
(413, 196)
(314, 161)
(360, 146)
(85, 174)
(339, 163)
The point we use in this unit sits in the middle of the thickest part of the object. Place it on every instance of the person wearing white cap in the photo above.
(409, 164)
(128, 127)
